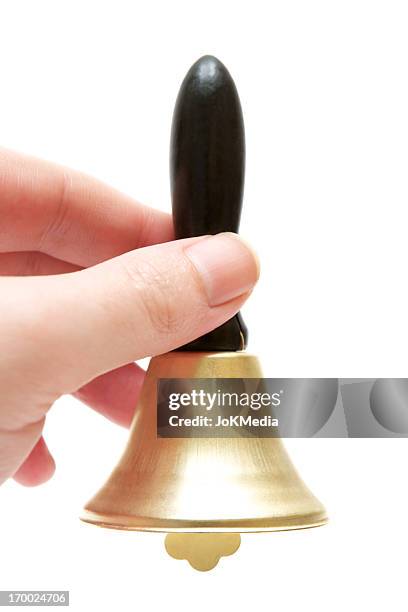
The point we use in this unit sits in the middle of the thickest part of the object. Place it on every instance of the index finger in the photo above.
(69, 215)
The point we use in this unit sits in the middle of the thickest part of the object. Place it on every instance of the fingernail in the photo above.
(227, 266)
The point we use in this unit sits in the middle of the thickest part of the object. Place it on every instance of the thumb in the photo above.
(142, 303)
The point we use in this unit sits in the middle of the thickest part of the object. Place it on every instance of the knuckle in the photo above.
(157, 296)
(56, 229)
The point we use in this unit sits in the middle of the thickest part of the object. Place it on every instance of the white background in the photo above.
(324, 92)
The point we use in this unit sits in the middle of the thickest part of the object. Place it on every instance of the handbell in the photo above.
(203, 491)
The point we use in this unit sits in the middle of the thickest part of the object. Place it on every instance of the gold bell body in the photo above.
(198, 485)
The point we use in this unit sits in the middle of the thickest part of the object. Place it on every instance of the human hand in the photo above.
(91, 281)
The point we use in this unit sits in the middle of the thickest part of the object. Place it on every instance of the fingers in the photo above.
(114, 394)
(38, 467)
(146, 302)
(23, 451)
(32, 263)
(16, 445)
(70, 216)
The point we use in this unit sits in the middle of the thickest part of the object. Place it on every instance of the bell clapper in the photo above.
(202, 550)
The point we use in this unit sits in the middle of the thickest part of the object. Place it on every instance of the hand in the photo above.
(90, 282)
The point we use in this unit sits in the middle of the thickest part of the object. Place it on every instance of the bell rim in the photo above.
(126, 523)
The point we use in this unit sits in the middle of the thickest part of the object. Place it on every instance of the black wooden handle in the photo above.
(207, 167)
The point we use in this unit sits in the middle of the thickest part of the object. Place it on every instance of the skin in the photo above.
(91, 281)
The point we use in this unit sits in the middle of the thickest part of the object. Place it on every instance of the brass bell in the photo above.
(204, 492)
